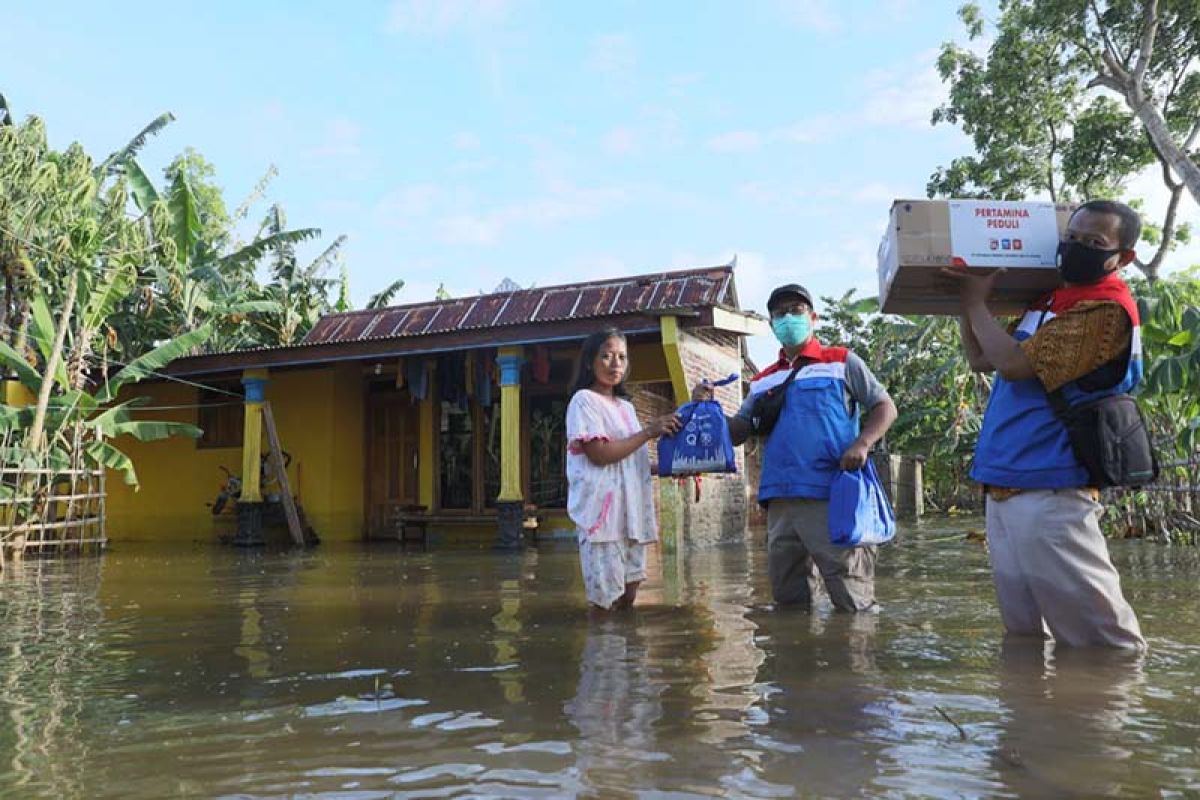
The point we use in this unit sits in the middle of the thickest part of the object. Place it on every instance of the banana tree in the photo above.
(81, 421)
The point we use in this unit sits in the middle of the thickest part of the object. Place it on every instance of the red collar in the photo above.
(811, 351)
(1110, 288)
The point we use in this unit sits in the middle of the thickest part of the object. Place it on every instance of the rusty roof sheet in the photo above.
(640, 294)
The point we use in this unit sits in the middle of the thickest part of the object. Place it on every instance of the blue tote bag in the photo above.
(703, 443)
(859, 511)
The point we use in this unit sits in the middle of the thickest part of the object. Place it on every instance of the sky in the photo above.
(461, 142)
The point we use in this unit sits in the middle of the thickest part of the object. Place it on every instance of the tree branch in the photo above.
(1050, 163)
(1146, 49)
(1191, 137)
(1109, 49)
(1168, 232)
(1108, 82)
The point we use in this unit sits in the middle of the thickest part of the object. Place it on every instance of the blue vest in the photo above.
(801, 456)
(1022, 444)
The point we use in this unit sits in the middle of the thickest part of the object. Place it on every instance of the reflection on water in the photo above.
(365, 673)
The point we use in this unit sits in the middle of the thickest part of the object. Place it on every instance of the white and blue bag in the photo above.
(703, 443)
(859, 510)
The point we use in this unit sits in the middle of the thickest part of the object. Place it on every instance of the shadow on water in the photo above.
(363, 673)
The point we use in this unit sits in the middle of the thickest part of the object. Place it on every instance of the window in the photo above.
(222, 418)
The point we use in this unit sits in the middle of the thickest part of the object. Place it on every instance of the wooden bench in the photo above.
(412, 522)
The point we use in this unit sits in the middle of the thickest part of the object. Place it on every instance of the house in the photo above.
(442, 417)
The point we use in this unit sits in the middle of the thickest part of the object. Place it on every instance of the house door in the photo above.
(393, 452)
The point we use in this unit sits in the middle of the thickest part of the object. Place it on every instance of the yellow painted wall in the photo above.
(648, 363)
(319, 414)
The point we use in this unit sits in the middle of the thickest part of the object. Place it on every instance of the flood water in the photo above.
(364, 672)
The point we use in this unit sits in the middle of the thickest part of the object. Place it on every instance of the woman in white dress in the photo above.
(610, 496)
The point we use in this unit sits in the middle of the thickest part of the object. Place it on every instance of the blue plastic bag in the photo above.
(859, 511)
(703, 443)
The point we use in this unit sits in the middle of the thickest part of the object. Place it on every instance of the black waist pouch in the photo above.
(768, 406)
(1110, 439)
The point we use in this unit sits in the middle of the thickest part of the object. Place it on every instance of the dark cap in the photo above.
(785, 290)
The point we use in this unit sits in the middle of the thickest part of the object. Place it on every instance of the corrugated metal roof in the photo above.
(686, 289)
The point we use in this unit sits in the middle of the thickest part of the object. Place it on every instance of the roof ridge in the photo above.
(650, 276)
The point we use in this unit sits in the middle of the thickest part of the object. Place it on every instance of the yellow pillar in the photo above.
(509, 359)
(255, 381)
(670, 339)
(425, 465)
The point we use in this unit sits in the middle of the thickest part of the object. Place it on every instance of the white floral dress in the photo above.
(612, 506)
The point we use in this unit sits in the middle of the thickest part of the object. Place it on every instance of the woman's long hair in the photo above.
(585, 376)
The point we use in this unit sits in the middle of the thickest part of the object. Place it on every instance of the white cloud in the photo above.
(876, 193)
(436, 17)
(1148, 186)
(736, 142)
(621, 141)
(806, 131)
(562, 203)
(820, 16)
(613, 54)
(905, 95)
(401, 205)
(343, 139)
(466, 140)
(902, 96)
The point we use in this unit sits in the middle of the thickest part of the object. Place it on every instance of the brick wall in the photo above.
(719, 514)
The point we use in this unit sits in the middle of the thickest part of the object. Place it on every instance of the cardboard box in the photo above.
(925, 235)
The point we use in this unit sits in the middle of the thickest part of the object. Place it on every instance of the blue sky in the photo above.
(465, 141)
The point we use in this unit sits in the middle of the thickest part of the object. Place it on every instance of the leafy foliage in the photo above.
(1071, 99)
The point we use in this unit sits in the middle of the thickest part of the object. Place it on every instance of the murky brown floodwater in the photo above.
(361, 673)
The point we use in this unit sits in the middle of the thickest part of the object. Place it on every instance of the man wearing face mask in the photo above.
(1050, 563)
(816, 435)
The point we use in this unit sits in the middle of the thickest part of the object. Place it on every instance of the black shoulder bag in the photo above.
(1110, 438)
(769, 404)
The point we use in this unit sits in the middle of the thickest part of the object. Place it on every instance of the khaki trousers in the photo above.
(799, 554)
(1052, 570)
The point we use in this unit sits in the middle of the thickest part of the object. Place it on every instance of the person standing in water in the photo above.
(610, 496)
(816, 435)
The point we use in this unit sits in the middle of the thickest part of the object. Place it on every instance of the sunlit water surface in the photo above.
(352, 672)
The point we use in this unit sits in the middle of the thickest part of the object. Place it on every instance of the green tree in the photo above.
(215, 222)
(1073, 98)
(73, 253)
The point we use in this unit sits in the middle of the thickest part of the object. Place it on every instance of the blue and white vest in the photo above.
(801, 455)
(1022, 444)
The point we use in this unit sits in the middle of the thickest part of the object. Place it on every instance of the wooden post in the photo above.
(285, 489)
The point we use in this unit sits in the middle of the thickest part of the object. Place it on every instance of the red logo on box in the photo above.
(1016, 244)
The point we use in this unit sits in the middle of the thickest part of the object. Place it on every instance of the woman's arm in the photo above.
(602, 453)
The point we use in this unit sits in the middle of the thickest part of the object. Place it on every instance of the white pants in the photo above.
(608, 567)
(1052, 570)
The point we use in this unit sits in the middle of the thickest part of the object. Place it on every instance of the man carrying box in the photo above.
(1050, 563)
(813, 434)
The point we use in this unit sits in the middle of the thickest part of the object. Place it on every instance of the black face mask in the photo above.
(1078, 263)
